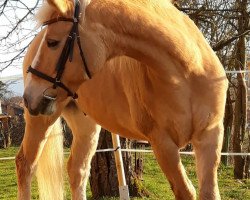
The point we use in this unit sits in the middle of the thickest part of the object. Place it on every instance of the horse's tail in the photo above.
(50, 165)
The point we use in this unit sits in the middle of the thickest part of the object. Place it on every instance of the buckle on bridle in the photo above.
(56, 83)
(58, 80)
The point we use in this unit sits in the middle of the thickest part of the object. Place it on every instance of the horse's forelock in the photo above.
(44, 13)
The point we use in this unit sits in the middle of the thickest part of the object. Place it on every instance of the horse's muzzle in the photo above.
(44, 106)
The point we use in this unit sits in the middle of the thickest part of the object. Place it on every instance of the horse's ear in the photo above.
(65, 7)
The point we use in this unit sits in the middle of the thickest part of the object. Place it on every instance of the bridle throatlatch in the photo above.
(67, 54)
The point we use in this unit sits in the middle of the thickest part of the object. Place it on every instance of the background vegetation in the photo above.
(154, 180)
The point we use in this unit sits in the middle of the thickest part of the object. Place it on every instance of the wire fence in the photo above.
(153, 180)
(145, 151)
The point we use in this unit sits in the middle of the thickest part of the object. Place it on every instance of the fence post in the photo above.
(123, 188)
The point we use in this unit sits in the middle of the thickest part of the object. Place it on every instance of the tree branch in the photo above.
(20, 21)
(226, 42)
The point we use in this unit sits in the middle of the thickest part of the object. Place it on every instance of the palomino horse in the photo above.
(154, 77)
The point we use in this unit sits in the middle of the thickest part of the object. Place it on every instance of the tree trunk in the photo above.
(239, 128)
(5, 132)
(228, 122)
(241, 96)
(7, 138)
(103, 178)
(17, 130)
(2, 141)
(247, 166)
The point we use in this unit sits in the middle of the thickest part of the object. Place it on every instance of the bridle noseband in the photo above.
(67, 53)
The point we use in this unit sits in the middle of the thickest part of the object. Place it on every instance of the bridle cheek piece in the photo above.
(67, 54)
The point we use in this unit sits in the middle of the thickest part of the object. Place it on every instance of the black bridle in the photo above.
(67, 53)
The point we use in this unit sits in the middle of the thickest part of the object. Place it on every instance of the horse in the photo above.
(138, 68)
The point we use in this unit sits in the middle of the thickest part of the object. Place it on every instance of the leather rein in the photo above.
(67, 53)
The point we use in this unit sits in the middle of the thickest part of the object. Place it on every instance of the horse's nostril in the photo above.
(25, 101)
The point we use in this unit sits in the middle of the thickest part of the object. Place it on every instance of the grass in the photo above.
(154, 180)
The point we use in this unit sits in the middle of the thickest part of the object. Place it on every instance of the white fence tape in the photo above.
(145, 151)
(7, 158)
(237, 71)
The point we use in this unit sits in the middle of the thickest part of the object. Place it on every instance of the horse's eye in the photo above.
(52, 43)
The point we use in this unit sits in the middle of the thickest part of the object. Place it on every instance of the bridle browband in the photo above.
(67, 53)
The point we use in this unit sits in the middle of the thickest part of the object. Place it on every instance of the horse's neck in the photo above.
(144, 32)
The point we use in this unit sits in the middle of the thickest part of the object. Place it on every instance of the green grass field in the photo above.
(154, 180)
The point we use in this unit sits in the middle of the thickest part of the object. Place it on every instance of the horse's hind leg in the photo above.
(85, 139)
(167, 154)
(31, 148)
(207, 146)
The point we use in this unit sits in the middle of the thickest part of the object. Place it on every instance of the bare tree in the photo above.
(226, 26)
(241, 94)
(3, 89)
(17, 30)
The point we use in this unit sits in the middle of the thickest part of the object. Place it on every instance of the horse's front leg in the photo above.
(85, 138)
(36, 131)
(207, 146)
(167, 155)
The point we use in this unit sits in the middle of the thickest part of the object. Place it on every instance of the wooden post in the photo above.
(1, 112)
(123, 188)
